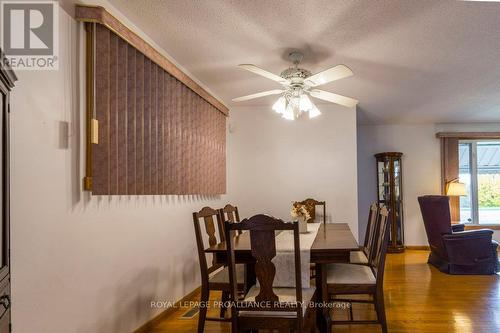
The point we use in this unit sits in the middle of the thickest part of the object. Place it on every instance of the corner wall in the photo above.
(275, 161)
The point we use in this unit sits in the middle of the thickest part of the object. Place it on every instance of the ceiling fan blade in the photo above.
(335, 73)
(264, 73)
(334, 98)
(257, 95)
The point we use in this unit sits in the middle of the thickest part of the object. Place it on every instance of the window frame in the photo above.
(474, 186)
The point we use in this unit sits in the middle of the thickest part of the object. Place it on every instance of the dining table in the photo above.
(333, 244)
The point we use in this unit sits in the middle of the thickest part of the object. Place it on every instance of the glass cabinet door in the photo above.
(390, 194)
(398, 207)
(384, 188)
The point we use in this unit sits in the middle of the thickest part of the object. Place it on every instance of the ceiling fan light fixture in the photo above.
(298, 86)
(280, 105)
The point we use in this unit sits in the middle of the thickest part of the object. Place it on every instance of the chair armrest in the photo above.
(469, 247)
(458, 227)
(478, 233)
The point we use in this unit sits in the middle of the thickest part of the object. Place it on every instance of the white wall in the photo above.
(274, 162)
(82, 264)
(421, 168)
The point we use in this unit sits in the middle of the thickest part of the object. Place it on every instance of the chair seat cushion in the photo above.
(285, 295)
(358, 257)
(349, 274)
(222, 276)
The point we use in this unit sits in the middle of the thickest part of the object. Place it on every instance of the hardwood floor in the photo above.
(418, 298)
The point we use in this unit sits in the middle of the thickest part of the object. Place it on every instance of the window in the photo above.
(479, 169)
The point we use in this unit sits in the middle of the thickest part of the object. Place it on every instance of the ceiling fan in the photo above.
(297, 85)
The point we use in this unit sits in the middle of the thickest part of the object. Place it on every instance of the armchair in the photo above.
(453, 250)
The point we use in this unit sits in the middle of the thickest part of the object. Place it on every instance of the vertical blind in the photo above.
(156, 136)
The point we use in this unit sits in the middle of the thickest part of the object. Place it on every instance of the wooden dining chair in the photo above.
(310, 205)
(353, 279)
(229, 213)
(265, 306)
(361, 256)
(214, 277)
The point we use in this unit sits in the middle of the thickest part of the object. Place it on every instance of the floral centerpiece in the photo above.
(300, 213)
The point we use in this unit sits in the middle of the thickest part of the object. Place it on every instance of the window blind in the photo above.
(156, 135)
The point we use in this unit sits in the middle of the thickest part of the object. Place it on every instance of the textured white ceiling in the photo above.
(413, 61)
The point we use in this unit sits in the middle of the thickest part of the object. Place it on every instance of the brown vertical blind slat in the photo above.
(131, 157)
(167, 145)
(147, 126)
(100, 152)
(122, 113)
(183, 149)
(113, 115)
(156, 136)
(160, 134)
(139, 124)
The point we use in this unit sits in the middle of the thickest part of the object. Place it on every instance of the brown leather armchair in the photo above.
(453, 250)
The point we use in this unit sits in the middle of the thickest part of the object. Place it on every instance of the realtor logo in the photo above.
(30, 34)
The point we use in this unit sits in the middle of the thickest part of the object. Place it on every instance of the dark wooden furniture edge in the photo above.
(482, 226)
(148, 326)
(389, 153)
(7, 75)
(318, 255)
(418, 247)
(469, 135)
(98, 14)
(7, 80)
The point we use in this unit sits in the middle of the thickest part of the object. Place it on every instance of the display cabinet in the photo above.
(390, 194)
(7, 79)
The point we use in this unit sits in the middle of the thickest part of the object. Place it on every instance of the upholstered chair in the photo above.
(453, 250)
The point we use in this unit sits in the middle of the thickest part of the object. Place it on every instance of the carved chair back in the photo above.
(371, 228)
(262, 229)
(310, 205)
(230, 213)
(377, 260)
(207, 219)
(437, 221)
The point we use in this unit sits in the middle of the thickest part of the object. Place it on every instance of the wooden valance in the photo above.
(155, 134)
(469, 135)
(97, 14)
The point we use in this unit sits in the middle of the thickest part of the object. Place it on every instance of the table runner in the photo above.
(285, 257)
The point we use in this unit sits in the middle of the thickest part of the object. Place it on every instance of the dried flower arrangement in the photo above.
(299, 211)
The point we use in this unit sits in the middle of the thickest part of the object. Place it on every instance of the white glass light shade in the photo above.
(280, 105)
(295, 103)
(314, 112)
(288, 114)
(291, 107)
(305, 103)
